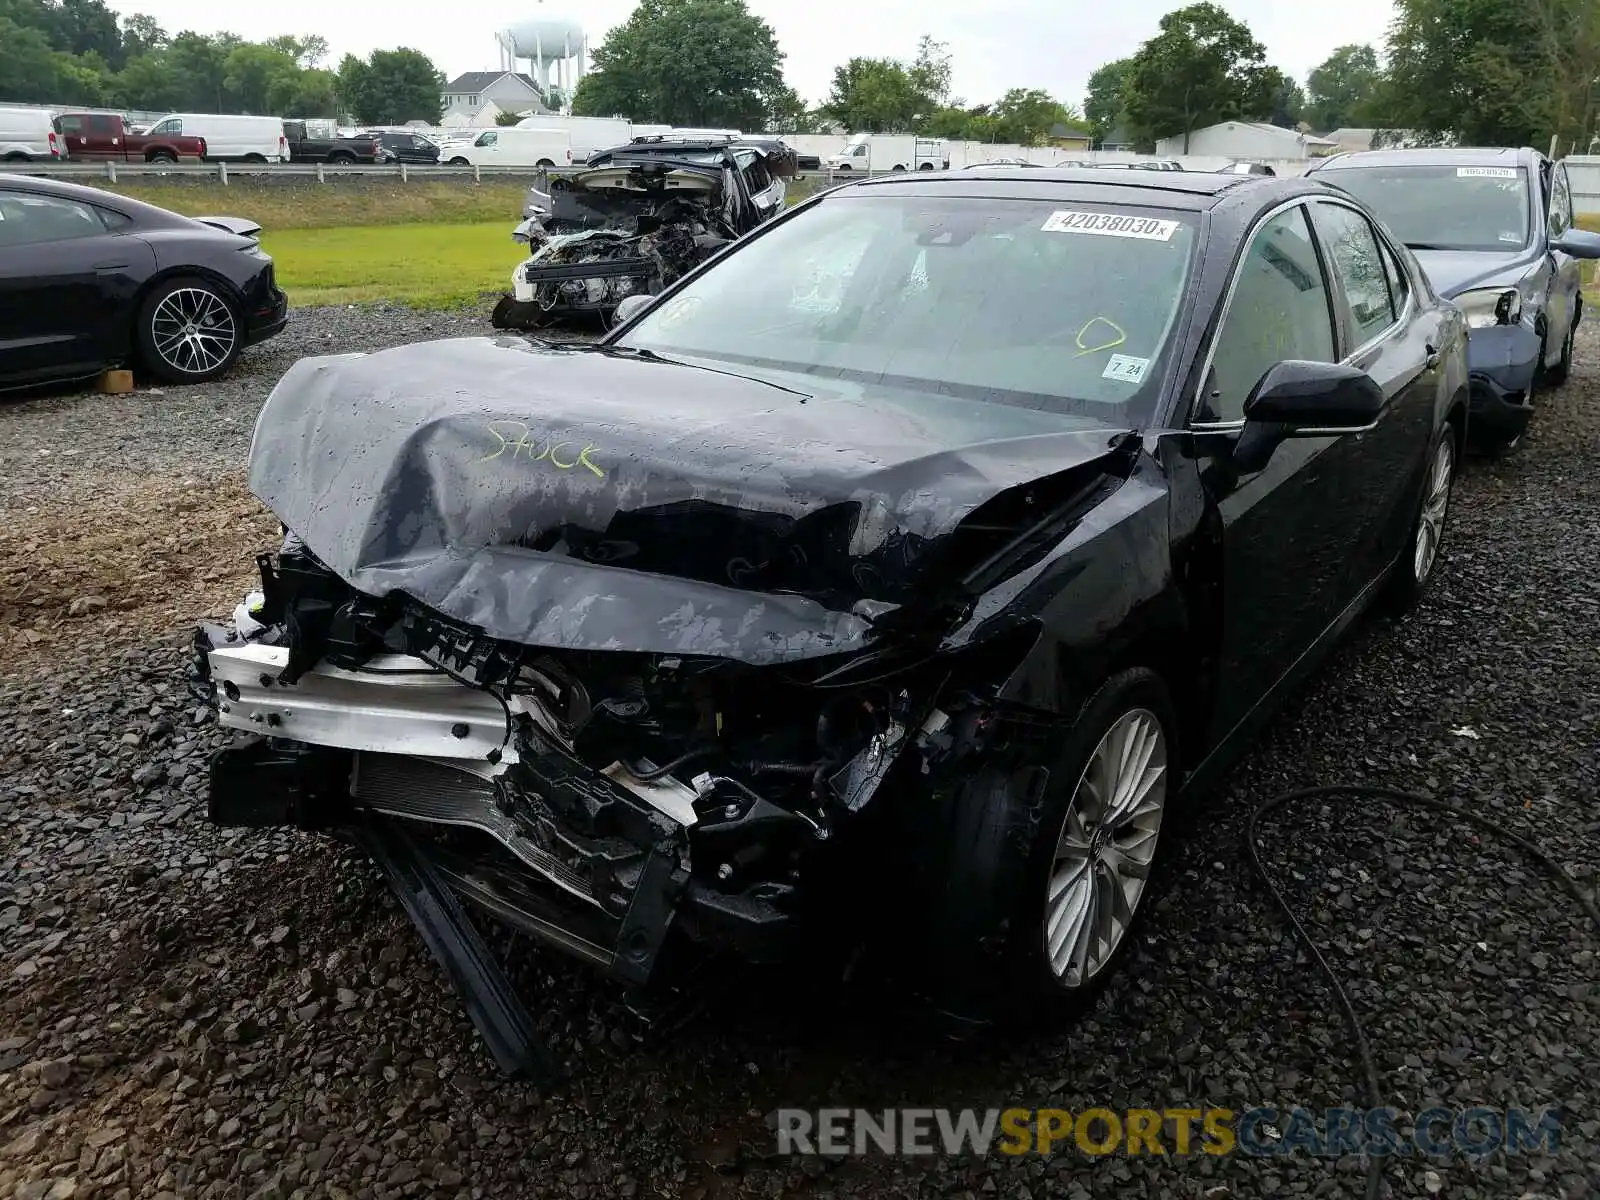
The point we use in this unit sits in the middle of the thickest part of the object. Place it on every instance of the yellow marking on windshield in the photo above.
(1120, 336)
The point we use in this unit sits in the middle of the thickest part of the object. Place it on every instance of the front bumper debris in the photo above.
(1503, 361)
(466, 796)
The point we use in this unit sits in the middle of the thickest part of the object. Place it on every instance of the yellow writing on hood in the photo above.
(522, 439)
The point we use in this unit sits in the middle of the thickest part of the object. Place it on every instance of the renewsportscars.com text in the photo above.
(1258, 1132)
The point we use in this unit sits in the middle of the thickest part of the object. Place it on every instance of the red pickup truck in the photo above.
(96, 137)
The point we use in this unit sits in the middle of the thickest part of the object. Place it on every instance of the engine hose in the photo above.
(682, 760)
(801, 770)
(1369, 1067)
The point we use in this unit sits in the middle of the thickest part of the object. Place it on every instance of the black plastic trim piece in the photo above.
(502, 1020)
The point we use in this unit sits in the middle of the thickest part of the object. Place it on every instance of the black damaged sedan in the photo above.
(891, 577)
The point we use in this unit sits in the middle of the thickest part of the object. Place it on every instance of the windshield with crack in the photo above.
(1040, 304)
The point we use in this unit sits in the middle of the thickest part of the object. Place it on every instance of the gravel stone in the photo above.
(197, 1012)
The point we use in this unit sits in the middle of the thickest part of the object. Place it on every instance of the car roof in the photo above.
(149, 214)
(1194, 190)
(1431, 156)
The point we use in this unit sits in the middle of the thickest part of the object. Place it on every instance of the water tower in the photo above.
(553, 46)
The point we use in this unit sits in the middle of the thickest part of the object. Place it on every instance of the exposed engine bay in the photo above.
(634, 221)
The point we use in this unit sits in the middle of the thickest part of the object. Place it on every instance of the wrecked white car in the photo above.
(635, 219)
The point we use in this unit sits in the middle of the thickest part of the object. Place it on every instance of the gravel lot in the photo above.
(185, 1012)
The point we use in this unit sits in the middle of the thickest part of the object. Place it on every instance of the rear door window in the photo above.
(29, 220)
(1353, 247)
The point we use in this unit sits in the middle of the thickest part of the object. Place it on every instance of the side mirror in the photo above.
(1579, 243)
(630, 306)
(1297, 398)
(1315, 399)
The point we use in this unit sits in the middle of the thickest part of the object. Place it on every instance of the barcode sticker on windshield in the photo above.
(1150, 229)
(1126, 368)
(1486, 172)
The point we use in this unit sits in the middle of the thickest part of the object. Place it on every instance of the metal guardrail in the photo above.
(224, 171)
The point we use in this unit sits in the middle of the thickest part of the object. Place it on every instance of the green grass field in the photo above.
(428, 245)
(426, 266)
(335, 205)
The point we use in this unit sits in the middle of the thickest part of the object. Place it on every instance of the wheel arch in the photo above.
(1455, 416)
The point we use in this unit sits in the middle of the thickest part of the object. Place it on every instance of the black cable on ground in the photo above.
(1369, 1066)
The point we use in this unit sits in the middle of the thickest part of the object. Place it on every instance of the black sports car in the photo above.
(888, 576)
(90, 280)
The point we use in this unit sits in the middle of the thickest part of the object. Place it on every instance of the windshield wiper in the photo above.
(652, 356)
(1427, 246)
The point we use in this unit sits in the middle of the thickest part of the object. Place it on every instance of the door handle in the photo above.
(1432, 360)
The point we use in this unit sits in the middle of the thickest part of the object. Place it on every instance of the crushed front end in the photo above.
(555, 652)
(617, 231)
(597, 800)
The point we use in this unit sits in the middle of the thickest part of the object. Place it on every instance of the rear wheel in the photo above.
(162, 156)
(898, 167)
(458, 162)
(341, 159)
(187, 331)
(16, 156)
(925, 167)
(545, 163)
(256, 158)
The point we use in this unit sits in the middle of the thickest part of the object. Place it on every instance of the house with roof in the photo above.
(470, 96)
(1248, 140)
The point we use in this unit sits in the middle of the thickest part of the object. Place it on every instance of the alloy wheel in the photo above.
(1107, 845)
(1435, 502)
(193, 330)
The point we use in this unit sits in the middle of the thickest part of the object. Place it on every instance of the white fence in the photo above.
(1583, 172)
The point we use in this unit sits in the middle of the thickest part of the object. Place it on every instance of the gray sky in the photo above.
(995, 45)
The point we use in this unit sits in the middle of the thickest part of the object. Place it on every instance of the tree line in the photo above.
(1487, 72)
(77, 52)
(715, 63)
(1484, 72)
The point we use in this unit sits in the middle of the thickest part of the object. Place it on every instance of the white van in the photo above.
(228, 137)
(27, 135)
(512, 147)
(589, 134)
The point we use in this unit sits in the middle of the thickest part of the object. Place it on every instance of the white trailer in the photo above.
(890, 152)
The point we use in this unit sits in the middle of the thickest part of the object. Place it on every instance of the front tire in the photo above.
(1043, 885)
(187, 331)
(1411, 574)
(1557, 375)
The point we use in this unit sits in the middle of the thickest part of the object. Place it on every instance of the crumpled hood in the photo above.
(569, 498)
(1453, 272)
